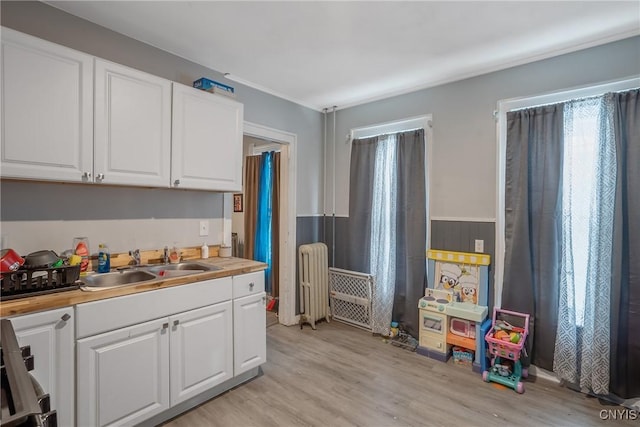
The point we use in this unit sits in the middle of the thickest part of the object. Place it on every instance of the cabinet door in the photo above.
(51, 338)
(201, 350)
(132, 126)
(123, 376)
(249, 332)
(206, 140)
(47, 110)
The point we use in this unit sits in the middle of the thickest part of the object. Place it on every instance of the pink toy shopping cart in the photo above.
(506, 343)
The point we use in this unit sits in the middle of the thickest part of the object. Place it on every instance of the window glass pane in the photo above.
(581, 130)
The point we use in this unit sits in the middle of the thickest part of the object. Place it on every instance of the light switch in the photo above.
(479, 245)
(204, 228)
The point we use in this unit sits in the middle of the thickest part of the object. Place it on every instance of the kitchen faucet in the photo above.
(165, 256)
(135, 254)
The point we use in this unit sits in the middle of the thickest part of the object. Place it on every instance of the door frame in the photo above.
(287, 302)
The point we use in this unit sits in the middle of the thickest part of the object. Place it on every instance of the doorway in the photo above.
(258, 139)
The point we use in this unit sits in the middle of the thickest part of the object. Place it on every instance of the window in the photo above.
(582, 156)
(579, 152)
(388, 217)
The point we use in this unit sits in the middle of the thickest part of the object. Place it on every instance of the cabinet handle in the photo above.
(176, 182)
(165, 325)
(264, 300)
(176, 322)
(251, 285)
(65, 317)
(100, 177)
(86, 175)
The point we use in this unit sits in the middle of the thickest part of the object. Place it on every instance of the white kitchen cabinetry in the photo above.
(47, 110)
(206, 140)
(133, 134)
(131, 368)
(132, 126)
(249, 322)
(51, 337)
(201, 343)
(123, 375)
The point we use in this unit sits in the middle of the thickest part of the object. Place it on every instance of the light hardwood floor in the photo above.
(342, 376)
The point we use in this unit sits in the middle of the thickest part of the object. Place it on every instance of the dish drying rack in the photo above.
(27, 282)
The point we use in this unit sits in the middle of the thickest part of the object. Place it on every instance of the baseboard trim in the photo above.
(538, 372)
(201, 398)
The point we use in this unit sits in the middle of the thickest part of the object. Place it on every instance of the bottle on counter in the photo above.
(204, 251)
(81, 248)
(174, 255)
(104, 259)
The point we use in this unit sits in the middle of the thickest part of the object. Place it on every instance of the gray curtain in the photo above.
(363, 160)
(533, 232)
(410, 219)
(625, 286)
(411, 234)
(533, 220)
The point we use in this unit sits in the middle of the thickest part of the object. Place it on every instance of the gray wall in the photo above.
(463, 175)
(463, 181)
(51, 24)
(460, 236)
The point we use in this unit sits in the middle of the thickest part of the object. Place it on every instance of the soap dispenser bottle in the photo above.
(104, 259)
(204, 251)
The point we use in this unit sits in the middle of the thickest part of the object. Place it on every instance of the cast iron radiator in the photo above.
(314, 291)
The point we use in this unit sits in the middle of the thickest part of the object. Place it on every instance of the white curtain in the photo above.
(582, 350)
(383, 236)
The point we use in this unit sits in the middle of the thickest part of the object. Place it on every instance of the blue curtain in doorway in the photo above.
(263, 250)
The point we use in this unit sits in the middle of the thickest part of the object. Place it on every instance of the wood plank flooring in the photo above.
(342, 376)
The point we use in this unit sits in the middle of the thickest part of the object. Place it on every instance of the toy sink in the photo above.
(466, 310)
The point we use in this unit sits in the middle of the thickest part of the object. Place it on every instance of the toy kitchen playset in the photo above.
(453, 311)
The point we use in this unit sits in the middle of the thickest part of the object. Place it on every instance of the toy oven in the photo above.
(433, 331)
(462, 327)
(432, 322)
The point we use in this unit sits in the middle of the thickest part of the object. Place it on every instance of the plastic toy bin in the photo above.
(503, 348)
(462, 356)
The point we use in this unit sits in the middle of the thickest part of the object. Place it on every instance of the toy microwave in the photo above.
(462, 327)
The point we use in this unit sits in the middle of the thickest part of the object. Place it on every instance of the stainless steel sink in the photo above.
(118, 278)
(183, 268)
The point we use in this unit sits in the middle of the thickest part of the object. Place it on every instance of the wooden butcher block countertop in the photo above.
(229, 267)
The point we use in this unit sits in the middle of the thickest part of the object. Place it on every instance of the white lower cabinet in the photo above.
(51, 337)
(249, 332)
(123, 375)
(134, 373)
(131, 368)
(249, 322)
(201, 349)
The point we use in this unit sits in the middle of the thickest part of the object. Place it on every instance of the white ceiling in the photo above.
(321, 54)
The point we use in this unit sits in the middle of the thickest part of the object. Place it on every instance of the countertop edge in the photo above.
(228, 267)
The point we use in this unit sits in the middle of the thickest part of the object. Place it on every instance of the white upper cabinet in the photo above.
(66, 118)
(206, 140)
(47, 110)
(132, 126)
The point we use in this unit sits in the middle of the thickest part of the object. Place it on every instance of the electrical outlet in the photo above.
(479, 245)
(204, 228)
